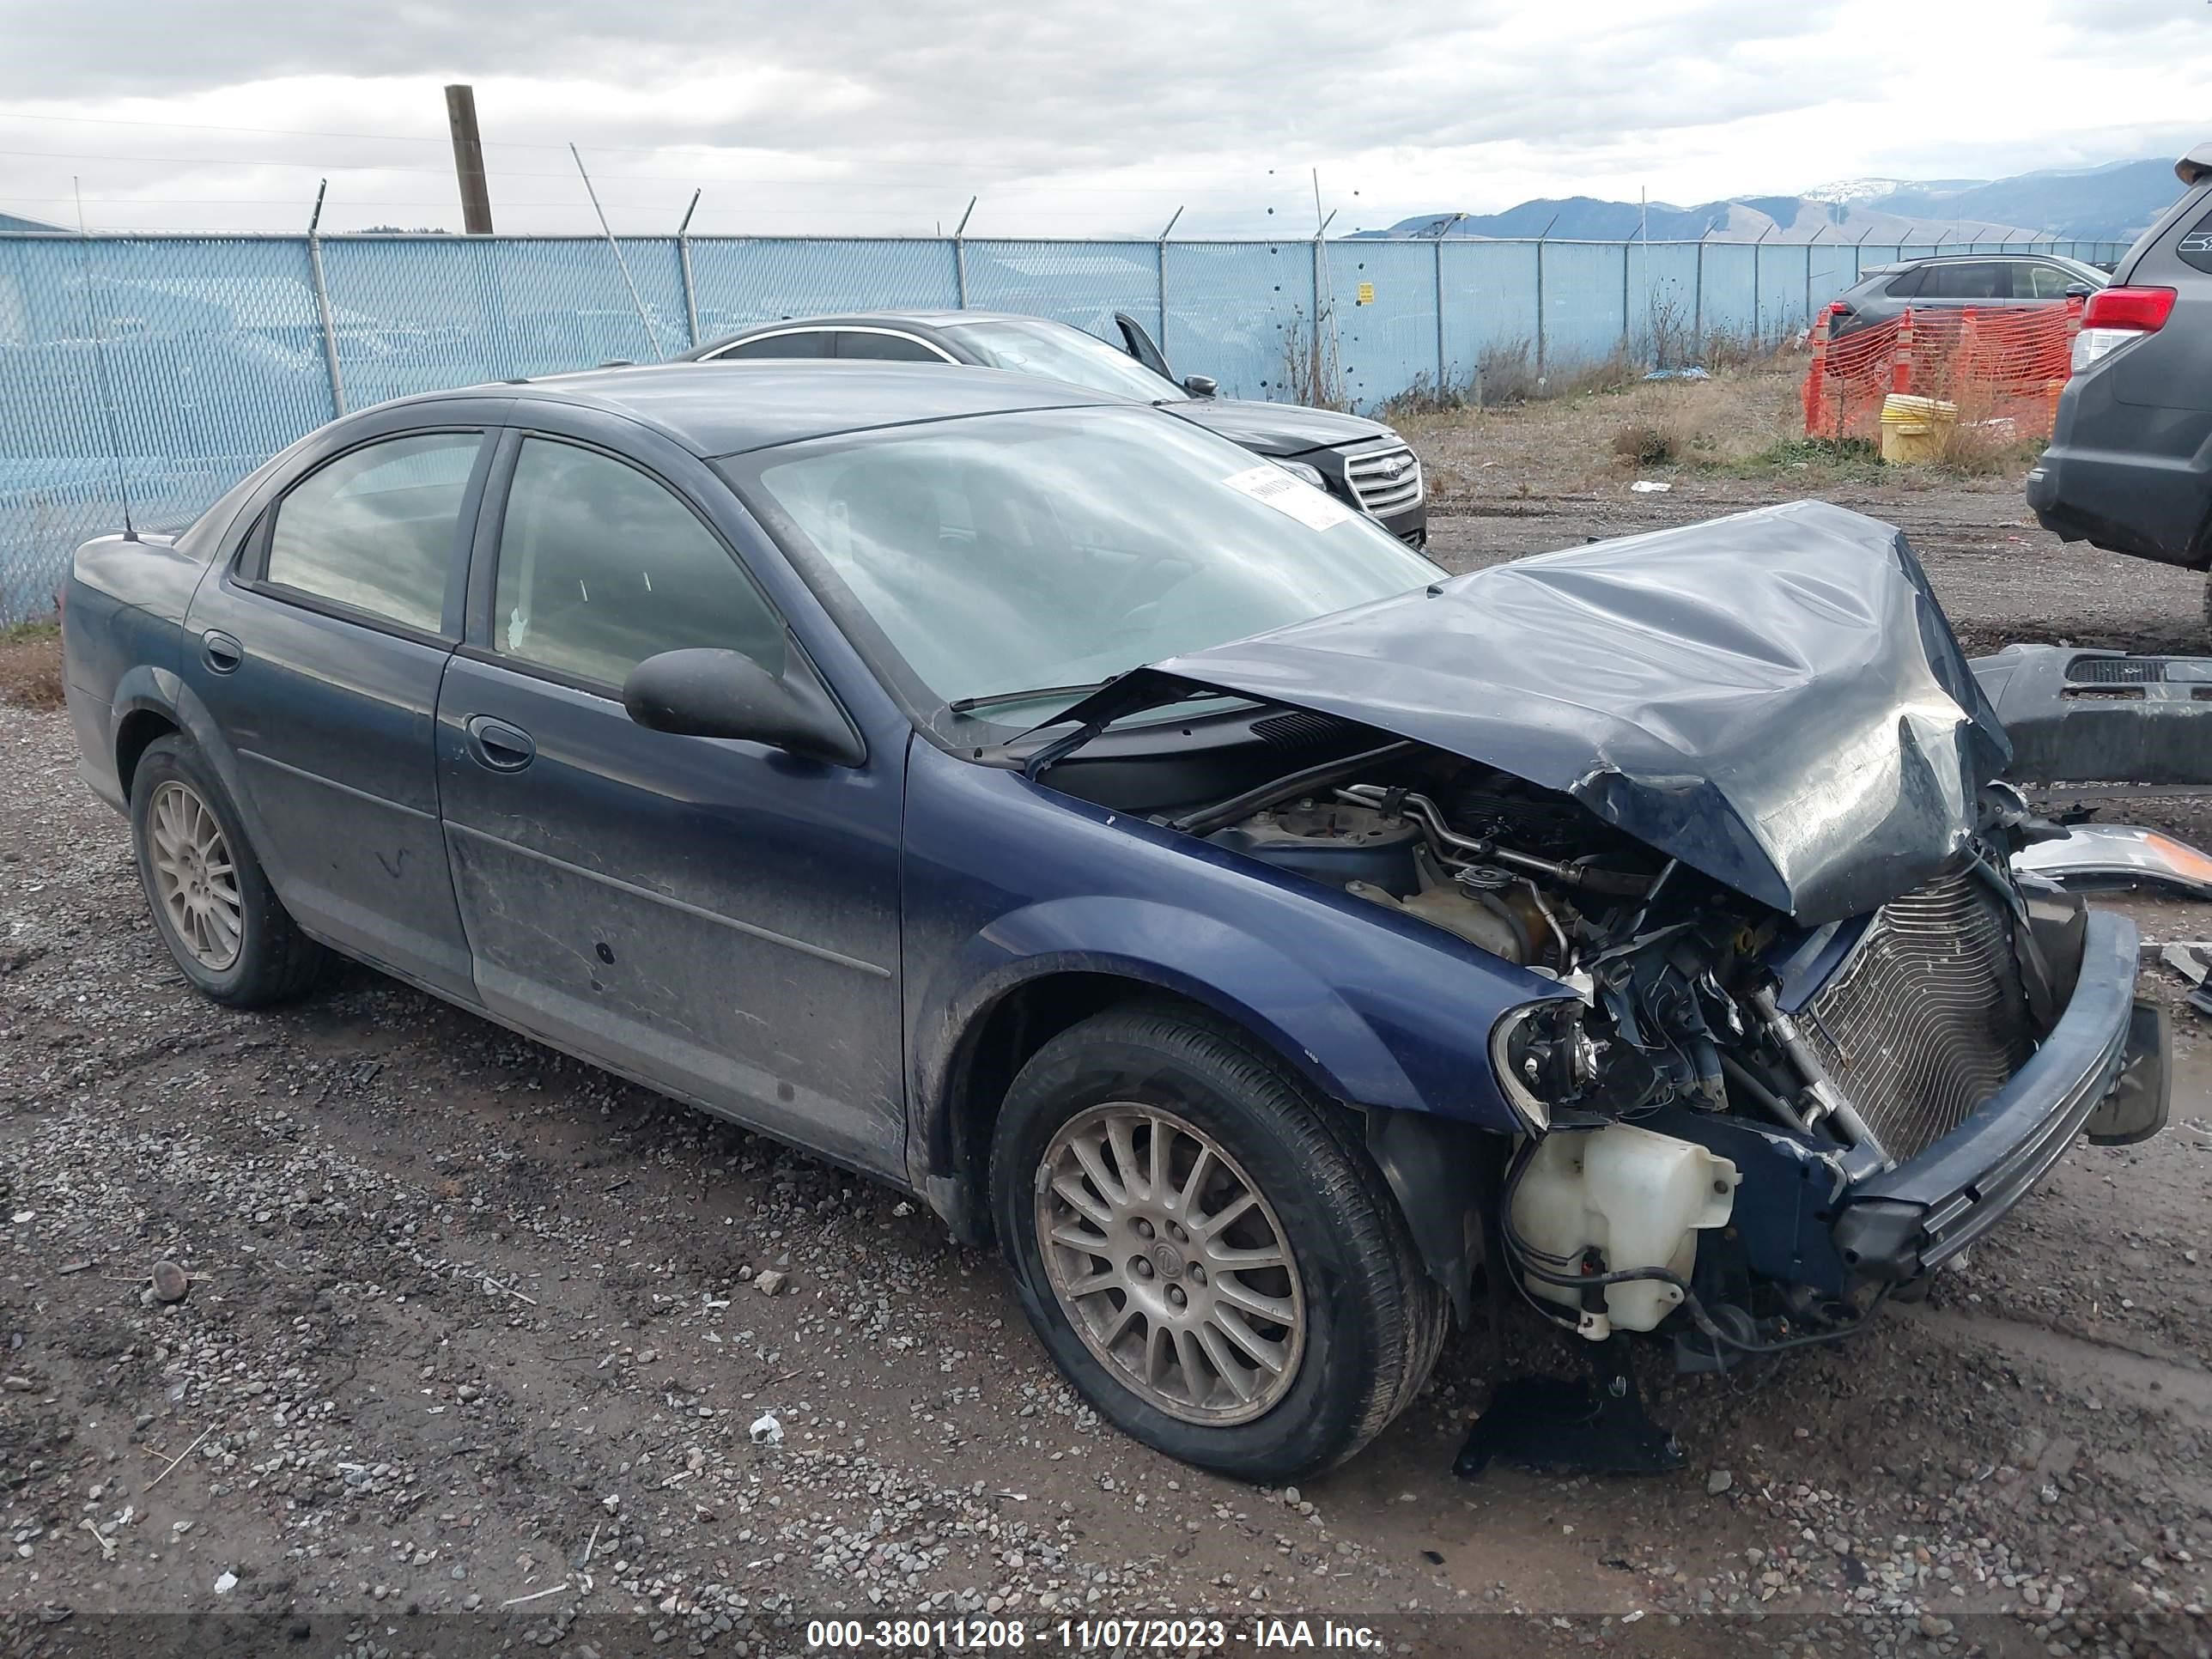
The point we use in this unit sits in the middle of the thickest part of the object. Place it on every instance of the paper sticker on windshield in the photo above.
(1288, 494)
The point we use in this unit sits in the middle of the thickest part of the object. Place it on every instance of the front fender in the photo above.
(1008, 882)
(1245, 979)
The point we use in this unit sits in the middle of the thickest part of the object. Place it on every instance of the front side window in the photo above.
(601, 566)
(1007, 553)
(378, 529)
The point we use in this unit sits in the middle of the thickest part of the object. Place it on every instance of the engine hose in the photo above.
(1518, 1248)
(1209, 820)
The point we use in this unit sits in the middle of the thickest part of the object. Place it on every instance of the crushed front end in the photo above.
(1873, 1094)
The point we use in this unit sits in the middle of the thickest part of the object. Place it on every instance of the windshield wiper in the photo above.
(968, 705)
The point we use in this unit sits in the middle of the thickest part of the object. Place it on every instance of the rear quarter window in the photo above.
(2196, 245)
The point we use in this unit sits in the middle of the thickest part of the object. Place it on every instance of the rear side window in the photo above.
(601, 567)
(2195, 248)
(1970, 279)
(378, 528)
(812, 343)
(1905, 287)
(884, 349)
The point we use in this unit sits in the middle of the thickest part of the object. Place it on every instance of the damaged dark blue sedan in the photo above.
(1052, 809)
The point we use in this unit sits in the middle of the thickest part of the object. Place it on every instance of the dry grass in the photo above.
(1733, 420)
(31, 665)
(1647, 443)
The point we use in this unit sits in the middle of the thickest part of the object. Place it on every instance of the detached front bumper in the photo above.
(2106, 1051)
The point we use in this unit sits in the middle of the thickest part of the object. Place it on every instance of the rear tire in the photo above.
(1316, 1324)
(212, 903)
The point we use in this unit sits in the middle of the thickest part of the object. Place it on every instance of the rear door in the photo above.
(318, 652)
(1953, 284)
(718, 918)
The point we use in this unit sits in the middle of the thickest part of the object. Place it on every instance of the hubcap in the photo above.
(194, 880)
(1170, 1263)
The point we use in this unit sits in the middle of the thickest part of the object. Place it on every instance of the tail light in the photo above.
(2115, 316)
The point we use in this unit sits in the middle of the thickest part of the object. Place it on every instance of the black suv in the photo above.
(1361, 461)
(2130, 465)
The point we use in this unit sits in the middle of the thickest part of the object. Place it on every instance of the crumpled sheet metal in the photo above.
(1774, 698)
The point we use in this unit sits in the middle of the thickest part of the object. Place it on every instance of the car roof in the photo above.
(725, 409)
(1896, 265)
(923, 318)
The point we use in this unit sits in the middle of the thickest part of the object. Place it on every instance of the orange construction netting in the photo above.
(2003, 366)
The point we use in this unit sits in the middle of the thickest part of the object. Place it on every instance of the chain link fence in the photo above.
(172, 365)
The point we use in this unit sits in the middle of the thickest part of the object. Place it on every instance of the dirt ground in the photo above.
(475, 1343)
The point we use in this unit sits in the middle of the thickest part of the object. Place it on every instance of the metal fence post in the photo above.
(1698, 299)
(1440, 317)
(1627, 345)
(323, 303)
(960, 256)
(1160, 278)
(684, 269)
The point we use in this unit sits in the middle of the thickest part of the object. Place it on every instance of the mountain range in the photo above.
(2113, 202)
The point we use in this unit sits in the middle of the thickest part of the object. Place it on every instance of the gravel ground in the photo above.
(478, 1342)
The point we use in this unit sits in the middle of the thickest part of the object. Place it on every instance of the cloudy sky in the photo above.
(885, 116)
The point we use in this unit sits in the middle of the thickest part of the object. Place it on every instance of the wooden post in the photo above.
(468, 160)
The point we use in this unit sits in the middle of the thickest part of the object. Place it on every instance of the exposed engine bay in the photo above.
(1713, 1072)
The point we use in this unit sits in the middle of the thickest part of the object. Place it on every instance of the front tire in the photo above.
(1205, 1248)
(212, 903)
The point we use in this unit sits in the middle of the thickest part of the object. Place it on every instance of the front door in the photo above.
(318, 654)
(718, 918)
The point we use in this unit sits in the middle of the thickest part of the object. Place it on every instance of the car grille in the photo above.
(1385, 480)
(1928, 1019)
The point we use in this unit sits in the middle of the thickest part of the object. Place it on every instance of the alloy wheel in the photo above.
(195, 880)
(1170, 1263)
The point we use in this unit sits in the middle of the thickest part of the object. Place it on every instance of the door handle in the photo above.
(221, 654)
(496, 745)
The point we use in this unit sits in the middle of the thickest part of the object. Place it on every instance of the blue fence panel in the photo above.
(1490, 307)
(1730, 304)
(1385, 344)
(1780, 280)
(1080, 283)
(177, 364)
(1662, 301)
(741, 281)
(1241, 312)
(417, 313)
(1834, 267)
(1585, 301)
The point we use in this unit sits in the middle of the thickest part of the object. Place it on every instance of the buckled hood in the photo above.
(1775, 699)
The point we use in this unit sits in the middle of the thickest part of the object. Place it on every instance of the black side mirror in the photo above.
(726, 694)
(1200, 386)
(2079, 290)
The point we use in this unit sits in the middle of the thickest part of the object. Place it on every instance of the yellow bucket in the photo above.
(1913, 428)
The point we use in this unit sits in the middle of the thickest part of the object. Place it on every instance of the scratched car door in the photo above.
(718, 918)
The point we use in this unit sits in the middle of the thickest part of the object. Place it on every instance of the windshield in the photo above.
(1058, 352)
(1047, 550)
